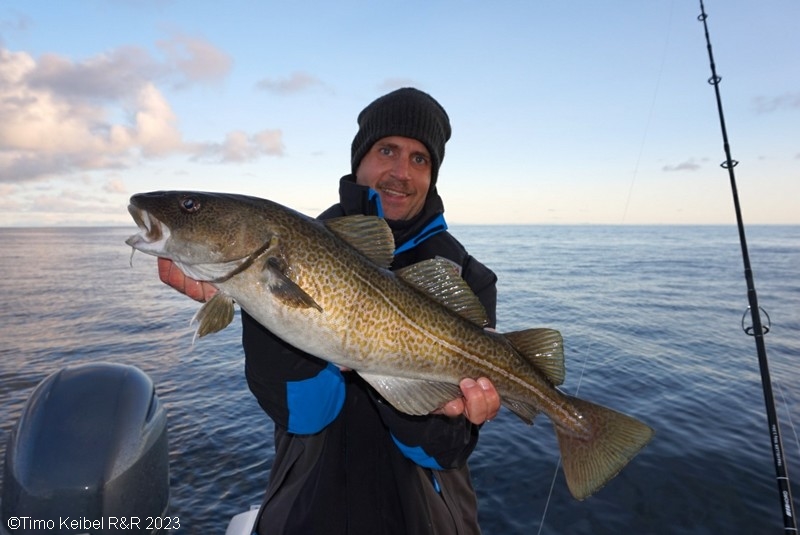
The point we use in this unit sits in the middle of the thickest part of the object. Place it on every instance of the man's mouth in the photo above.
(393, 192)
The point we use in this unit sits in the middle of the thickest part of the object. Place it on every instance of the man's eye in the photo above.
(386, 151)
(420, 160)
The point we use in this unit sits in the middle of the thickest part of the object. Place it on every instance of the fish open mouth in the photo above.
(152, 232)
(147, 223)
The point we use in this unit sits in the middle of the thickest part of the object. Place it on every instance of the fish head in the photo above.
(207, 235)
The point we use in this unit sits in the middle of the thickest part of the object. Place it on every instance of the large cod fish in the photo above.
(413, 334)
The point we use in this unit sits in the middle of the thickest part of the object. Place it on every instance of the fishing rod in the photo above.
(758, 330)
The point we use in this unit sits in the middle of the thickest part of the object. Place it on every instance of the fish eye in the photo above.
(190, 205)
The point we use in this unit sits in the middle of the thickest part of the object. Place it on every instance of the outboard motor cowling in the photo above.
(90, 445)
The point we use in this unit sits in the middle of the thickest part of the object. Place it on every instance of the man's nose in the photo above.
(400, 168)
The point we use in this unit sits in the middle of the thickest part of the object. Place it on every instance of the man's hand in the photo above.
(170, 275)
(479, 403)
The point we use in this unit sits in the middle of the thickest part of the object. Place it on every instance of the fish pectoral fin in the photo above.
(543, 348)
(214, 315)
(369, 235)
(284, 289)
(412, 396)
(439, 279)
(590, 461)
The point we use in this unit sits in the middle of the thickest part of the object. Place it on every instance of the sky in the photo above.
(563, 112)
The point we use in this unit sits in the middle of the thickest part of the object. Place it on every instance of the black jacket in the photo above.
(345, 461)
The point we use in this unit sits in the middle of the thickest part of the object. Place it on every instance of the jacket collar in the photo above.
(355, 199)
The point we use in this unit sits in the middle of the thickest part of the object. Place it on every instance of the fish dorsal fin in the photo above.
(370, 235)
(543, 348)
(412, 396)
(439, 279)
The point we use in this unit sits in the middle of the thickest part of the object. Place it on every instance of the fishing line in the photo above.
(782, 476)
(624, 215)
(649, 116)
(549, 496)
(789, 415)
(558, 464)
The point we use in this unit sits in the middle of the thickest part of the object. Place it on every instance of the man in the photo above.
(346, 461)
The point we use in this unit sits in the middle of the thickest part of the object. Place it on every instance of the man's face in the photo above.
(399, 169)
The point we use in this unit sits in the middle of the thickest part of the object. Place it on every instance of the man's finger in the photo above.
(170, 275)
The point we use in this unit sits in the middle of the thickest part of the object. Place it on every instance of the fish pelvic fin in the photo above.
(412, 396)
(214, 315)
(543, 348)
(589, 462)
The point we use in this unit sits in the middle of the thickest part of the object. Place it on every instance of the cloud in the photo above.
(689, 165)
(115, 185)
(118, 73)
(16, 22)
(70, 201)
(787, 101)
(107, 77)
(6, 190)
(56, 116)
(155, 131)
(390, 84)
(59, 116)
(195, 58)
(239, 147)
(296, 83)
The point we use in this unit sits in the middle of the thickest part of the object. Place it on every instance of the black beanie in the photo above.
(406, 112)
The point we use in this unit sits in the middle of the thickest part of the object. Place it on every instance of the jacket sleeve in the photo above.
(300, 392)
(437, 442)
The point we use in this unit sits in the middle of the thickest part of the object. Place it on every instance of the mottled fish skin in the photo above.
(325, 287)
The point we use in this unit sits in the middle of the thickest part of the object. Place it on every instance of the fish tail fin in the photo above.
(589, 462)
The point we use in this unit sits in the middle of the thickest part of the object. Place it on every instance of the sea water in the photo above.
(652, 322)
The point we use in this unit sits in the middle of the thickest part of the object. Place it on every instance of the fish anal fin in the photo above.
(439, 279)
(543, 348)
(283, 288)
(591, 461)
(525, 411)
(369, 235)
(412, 396)
(214, 315)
